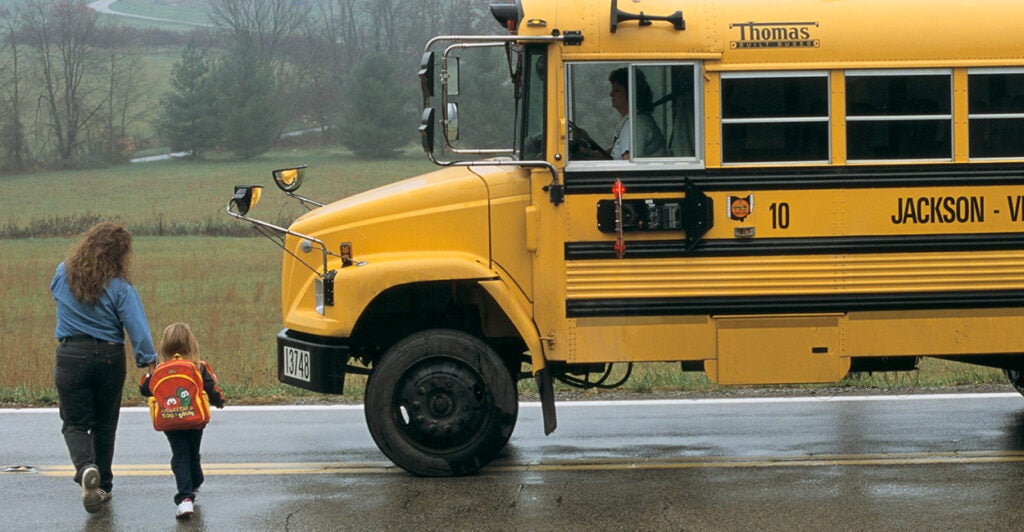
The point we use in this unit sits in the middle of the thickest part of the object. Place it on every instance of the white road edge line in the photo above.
(587, 404)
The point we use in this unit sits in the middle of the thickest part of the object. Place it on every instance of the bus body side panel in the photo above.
(840, 272)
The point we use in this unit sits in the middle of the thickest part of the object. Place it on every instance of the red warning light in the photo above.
(618, 189)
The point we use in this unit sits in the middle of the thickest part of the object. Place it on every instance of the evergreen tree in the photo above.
(250, 116)
(189, 116)
(380, 114)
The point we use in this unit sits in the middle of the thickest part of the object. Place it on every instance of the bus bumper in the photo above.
(311, 363)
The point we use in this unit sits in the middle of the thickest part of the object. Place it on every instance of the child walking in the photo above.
(179, 344)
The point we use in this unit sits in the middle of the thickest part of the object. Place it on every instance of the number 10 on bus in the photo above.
(780, 215)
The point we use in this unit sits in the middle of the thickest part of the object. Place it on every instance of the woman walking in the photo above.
(96, 304)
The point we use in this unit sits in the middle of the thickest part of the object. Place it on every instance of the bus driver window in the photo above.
(604, 98)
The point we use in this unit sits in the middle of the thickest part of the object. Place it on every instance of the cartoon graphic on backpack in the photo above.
(178, 401)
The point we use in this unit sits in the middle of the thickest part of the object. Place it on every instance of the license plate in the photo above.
(296, 363)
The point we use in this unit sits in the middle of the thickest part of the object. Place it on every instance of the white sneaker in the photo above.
(184, 509)
(92, 495)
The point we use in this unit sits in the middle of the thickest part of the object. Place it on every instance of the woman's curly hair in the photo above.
(104, 253)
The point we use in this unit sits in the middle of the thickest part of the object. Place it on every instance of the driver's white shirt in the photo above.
(648, 137)
(620, 145)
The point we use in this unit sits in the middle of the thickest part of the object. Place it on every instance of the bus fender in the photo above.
(527, 329)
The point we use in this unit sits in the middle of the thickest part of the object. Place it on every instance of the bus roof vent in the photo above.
(618, 15)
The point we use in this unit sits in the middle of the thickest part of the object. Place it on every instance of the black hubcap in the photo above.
(441, 404)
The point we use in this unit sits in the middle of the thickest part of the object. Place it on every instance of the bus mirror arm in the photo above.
(698, 215)
(277, 233)
(555, 190)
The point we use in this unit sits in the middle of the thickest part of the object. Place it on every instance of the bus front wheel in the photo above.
(441, 403)
(1016, 377)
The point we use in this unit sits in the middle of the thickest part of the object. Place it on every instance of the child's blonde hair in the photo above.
(178, 340)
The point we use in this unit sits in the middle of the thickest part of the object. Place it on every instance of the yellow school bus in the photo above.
(768, 192)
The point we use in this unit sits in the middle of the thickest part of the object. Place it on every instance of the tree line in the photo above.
(71, 93)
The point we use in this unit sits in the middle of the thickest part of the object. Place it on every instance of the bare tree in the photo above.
(62, 35)
(342, 29)
(262, 26)
(14, 150)
(122, 63)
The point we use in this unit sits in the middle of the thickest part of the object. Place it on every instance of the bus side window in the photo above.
(593, 121)
(775, 117)
(672, 110)
(681, 139)
(996, 113)
(663, 97)
(899, 115)
(650, 117)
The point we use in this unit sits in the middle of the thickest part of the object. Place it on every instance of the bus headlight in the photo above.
(324, 290)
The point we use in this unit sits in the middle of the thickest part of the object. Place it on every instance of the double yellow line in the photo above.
(613, 464)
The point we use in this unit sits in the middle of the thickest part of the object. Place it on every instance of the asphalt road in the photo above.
(932, 462)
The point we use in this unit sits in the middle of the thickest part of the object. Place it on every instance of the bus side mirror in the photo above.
(245, 198)
(289, 179)
(451, 122)
(452, 70)
(427, 130)
(426, 74)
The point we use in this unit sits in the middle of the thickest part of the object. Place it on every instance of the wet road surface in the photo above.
(919, 462)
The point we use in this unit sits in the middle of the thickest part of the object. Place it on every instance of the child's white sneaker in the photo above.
(185, 509)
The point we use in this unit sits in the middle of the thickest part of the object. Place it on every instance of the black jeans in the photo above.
(188, 471)
(89, 375)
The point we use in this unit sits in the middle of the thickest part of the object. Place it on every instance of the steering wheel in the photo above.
(582, 146)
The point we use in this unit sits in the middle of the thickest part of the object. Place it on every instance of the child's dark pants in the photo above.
(188, 471)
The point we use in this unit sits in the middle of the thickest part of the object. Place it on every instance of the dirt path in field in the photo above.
(103, 6)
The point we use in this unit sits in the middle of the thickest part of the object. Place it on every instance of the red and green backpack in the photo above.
(179, 401)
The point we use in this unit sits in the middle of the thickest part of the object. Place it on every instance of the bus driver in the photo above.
(649, 139)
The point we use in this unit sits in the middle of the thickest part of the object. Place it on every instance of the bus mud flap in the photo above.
(547, 400)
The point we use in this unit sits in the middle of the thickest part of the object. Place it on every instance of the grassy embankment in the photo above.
(227, 287)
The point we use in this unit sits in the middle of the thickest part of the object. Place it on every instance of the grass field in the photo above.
(182, 196)
(190, 13)
(226, 288)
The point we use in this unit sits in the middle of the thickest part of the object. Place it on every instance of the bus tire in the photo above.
(441, 403)
(1016, 378)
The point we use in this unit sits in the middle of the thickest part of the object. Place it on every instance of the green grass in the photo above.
(182, 196)
(189, 12)
(228, 289)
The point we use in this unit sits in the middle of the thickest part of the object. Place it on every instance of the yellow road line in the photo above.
(614, 464)
(303, 468)
(886, 459)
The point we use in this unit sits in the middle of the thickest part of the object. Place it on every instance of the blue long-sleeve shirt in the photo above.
(119, 309)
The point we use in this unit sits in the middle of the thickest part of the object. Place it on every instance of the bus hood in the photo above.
(443, 211)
